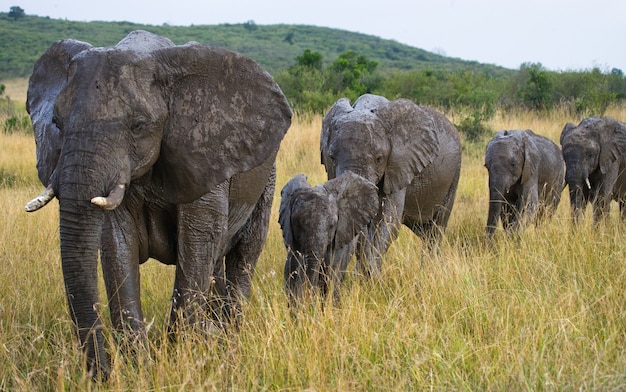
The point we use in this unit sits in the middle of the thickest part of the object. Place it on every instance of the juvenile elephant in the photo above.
(526, 179)
(595, 160)
(319, 226)
(155, 150)
(412, 153)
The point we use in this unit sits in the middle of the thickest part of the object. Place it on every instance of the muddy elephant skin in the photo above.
(160, 151)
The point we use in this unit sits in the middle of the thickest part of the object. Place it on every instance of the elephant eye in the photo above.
(139, 126)
(139, 123)
(57, 121)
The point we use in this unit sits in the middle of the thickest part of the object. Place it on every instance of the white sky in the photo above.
(560, 34)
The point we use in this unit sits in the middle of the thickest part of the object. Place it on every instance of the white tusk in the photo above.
(41, 200)
(588, 183)
(113, 200)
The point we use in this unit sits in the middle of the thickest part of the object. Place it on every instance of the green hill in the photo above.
(275, 47)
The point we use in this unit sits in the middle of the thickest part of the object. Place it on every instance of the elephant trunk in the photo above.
(302, 274)
(295, 275)
(579, 186)
(496, 201)
(357, 167)
(80, 231)
(577, 201)
(84, 192)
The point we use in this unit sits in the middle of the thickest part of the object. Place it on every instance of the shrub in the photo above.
(17, 124)
(473, 126)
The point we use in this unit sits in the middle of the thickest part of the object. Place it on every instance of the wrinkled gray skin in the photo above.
(319, 226)
(412, 153)
(595, 160)
(526, 179)
(155, 151)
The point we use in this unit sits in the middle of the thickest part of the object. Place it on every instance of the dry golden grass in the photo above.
(542, 311)
(16, 89)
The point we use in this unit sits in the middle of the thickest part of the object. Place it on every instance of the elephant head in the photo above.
(179, 118)
(318, 222)
(380, 140)
(593, 151)
(511, 158)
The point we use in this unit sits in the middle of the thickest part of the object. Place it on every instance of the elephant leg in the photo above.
(529, 204)
(295, 275)
(120, 267)
(601, 208)
(443, 214)
(622, 207)
(604, 194)
(508, 216)
(202, 231)
(601, 204)
(240, 262)
(429, 232)
(381, 232)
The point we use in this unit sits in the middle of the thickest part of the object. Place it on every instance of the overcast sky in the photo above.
(560, 34)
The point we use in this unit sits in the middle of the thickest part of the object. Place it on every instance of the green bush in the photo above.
(16, 120)
(7, 180)
(17, 124)
(473, 126)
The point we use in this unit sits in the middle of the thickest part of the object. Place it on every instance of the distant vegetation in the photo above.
(315, 66)
(275, 47)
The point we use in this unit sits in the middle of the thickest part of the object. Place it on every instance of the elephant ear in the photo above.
(226, 116)
(284, 212)
(612, 142)
(412, 131)
(566, 131)
(489, 158)
(531, 156)
(339, 108)
(49, 77)
(357, 205)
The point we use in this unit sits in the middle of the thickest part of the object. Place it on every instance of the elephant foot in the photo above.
(132, 343)
(206, 317)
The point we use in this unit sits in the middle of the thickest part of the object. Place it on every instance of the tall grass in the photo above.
(545, 310)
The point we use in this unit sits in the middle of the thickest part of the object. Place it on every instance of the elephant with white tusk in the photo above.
(595, 160)
(155, 151)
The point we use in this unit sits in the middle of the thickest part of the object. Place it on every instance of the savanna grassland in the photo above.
(542, 311)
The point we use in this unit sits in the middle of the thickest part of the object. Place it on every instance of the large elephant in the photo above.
(155, 151)
(595, 160)
(412, 153)
(526, 179)
(319, 226)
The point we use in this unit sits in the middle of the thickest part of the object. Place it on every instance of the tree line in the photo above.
(312, 87)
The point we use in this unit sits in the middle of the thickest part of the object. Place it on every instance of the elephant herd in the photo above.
(164, 151)
(528, 172)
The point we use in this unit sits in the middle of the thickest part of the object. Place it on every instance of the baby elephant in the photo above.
(526, 179)
(320, 225)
